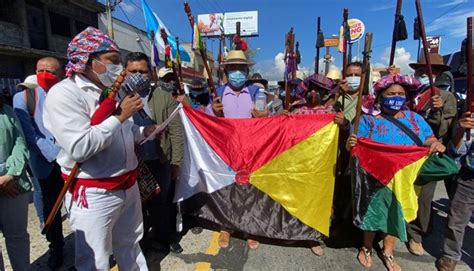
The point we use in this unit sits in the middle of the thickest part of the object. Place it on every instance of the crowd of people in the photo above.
(47, 130)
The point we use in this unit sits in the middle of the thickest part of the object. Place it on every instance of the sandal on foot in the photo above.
(365, 257)
(390, 263)
(224, 239)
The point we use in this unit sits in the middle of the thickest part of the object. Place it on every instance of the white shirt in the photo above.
(104, 150)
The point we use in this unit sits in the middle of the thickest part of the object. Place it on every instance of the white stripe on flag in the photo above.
(202, 169)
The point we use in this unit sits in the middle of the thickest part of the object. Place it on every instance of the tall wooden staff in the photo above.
(170, 63)
(220, 57)
(365, 71)
(421, 26)
(399, 31)
(289, 58)
(212, 87)
(178, 61)
(319, 44)
(469, 72)
(106, 108)
(345, 26)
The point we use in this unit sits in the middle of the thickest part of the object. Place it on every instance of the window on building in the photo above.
(6, 14)
(59, 25)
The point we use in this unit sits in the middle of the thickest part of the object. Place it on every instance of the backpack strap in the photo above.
(404, 128)
(31, 100)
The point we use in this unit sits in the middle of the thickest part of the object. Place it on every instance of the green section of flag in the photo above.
(385, 214)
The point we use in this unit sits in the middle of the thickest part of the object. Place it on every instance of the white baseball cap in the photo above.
(29, 83)
(164, 71)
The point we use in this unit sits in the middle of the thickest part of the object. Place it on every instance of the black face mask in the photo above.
(202, 99)
(168, 87)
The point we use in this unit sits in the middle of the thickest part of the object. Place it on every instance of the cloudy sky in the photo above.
(446, 18)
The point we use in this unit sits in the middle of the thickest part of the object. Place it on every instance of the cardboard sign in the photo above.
(434, 44)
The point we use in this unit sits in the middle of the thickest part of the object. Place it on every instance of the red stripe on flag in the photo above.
(383, 161)
(248, 144)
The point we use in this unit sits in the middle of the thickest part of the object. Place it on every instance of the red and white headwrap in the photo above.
(89, 41)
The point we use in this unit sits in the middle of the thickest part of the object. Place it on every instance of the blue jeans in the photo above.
(13, 224)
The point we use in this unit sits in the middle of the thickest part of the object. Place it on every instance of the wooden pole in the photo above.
(394, 41)
(212, 87)
(421, 25)
(316, 61)
(469, 73)
(366, 69)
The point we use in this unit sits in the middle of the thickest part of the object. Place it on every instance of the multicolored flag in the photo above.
(271, 177)
(154, 23)
(385, 195)
(197, 41)
(155, 56)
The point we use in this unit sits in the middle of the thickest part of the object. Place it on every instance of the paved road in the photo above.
(202, 253)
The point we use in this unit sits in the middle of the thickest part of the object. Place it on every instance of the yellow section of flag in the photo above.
(301, 179)
(402, 185)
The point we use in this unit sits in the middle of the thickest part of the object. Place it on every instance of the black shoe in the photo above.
(196, 230)
(176, 248)
(55, 259)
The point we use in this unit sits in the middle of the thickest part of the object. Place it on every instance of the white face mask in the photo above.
(112, 71)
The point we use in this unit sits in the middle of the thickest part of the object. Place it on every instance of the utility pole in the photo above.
(109, 7)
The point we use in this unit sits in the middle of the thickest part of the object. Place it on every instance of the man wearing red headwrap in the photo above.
(105, 206)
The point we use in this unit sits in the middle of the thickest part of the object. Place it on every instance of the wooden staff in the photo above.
(421, 25)
(319, 44)
(366, 70)
(220, 57)
(345, 17)
(395, 29)
(469, 71)
(180, 70)
(171, 65)
(212, 87)
(289, 53)
(71, 179)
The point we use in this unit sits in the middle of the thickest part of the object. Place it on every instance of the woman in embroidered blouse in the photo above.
(390, 99)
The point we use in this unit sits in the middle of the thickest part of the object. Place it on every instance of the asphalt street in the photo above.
(201, 251)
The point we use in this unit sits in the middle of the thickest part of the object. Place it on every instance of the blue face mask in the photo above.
(393, 103)
(353, 82)
(424, 80)
(237, 78)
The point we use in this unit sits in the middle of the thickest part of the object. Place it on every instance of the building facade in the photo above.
(32, 29)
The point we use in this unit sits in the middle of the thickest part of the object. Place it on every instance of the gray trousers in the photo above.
(422, 224)
(460, 212)
(13, 224)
